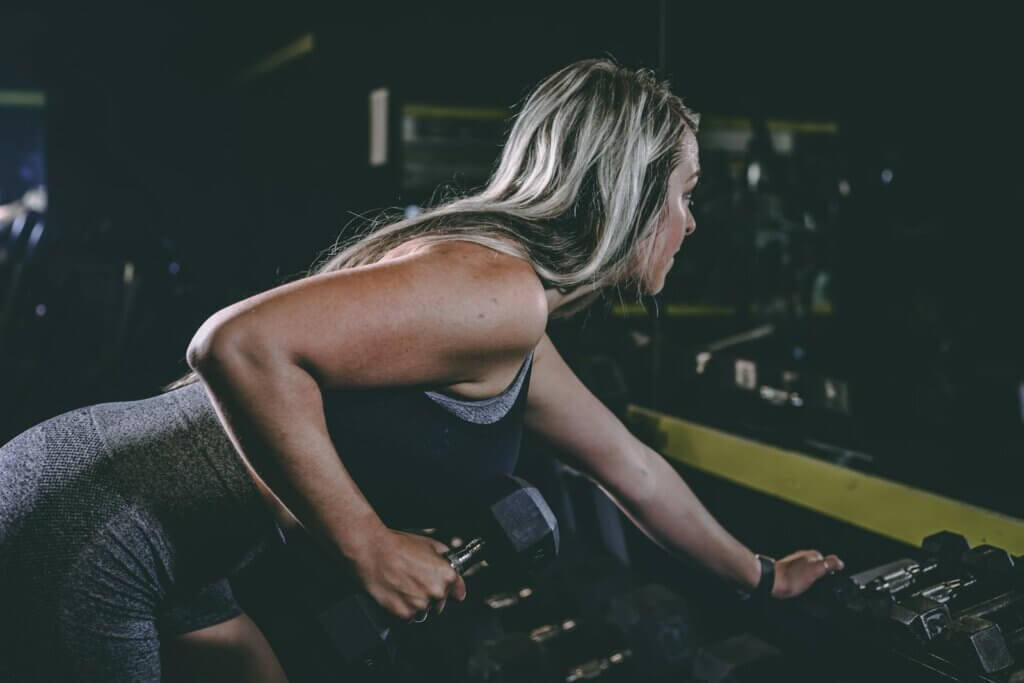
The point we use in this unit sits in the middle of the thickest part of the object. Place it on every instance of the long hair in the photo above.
(581, 181)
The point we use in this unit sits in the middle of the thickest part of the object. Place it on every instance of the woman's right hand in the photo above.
(406, 573)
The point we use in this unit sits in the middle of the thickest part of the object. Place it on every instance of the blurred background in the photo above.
(852, 293)
(157, 164)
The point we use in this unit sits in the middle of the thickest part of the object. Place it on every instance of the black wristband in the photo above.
(767, 582)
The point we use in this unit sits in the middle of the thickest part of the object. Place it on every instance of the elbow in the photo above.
(230, 348)
(212, 345)
(197, 354)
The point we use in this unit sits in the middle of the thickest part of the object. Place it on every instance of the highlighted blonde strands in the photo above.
(577, 192)
(580, 181)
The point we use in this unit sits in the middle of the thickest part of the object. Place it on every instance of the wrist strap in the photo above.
(767, 582)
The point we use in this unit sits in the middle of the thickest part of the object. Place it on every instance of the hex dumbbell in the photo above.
(514, 526)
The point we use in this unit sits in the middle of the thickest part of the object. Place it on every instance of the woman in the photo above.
(354, 400)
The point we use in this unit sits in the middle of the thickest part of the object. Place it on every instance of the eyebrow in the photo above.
(695, 174)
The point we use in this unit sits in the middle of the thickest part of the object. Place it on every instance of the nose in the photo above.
(691, 226)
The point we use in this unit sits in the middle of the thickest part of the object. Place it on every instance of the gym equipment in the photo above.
(945, 546)
(521, 608)
(970, 617)
(920, 617)
(992, 565)
(559, 651)
(874, 590)
(646, 634)
(515, 528)
(983, 566)
(737, 659)
(659, 626)
(975, 641)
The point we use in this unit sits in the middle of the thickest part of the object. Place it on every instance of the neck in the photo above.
(557, 299)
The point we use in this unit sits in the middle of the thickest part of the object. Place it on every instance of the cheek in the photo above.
(661, 238)
(675, 230)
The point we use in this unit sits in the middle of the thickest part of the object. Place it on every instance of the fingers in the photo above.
(459, 589)
(454, 585)
(828, 563)
(824, 564)
(419, 580)
(796, 572)
(448, 583)
(833, 564)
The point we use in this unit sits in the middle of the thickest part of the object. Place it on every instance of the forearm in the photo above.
(273, 413)
(672, 516)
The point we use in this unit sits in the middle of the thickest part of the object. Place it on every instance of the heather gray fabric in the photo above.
(118, 523)
(490, 410)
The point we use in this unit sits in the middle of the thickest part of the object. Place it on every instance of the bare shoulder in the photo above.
(440, 315)
(498, 292)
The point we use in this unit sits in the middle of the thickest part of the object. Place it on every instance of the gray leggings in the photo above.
(119, 524)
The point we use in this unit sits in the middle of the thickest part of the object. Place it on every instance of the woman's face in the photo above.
(676, 219)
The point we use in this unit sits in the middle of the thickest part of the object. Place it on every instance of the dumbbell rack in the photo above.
(954, 610)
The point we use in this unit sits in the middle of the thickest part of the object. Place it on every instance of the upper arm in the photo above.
(440, 316)
(588, 435)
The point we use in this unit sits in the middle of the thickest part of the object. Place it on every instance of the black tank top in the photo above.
(416, 454)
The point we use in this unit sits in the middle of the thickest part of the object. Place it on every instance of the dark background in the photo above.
(158, 153)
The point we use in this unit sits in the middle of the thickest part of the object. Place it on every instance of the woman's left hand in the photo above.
(796, 573)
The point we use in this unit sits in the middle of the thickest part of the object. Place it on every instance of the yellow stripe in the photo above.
(698, 310)
(885, 507)
(806, 127)
(279, 58)
(712, 122)
(434, 111)
(22, 98)
(672, 310)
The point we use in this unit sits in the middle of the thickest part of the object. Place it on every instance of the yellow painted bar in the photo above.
(278, 58)
(438, 111)
(22, 98)
(713, 122)
(673, 310)
(697, 310)
(885, 507)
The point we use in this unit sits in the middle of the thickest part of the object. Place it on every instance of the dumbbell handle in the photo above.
(992, 605)
(596, 667)
(947, 590)
(463, 557)
(900, 579)
(358, 623)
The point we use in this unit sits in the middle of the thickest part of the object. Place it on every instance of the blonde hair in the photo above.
(581, 180)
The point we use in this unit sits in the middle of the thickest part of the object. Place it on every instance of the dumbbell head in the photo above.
(945, 547)
(978, 644)
(511, 658)
(518, 526)
(918, 619)
(740, 658)
(990, 564)
(658, 626)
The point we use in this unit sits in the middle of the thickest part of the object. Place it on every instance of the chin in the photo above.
(657, 283)
(652, 288)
